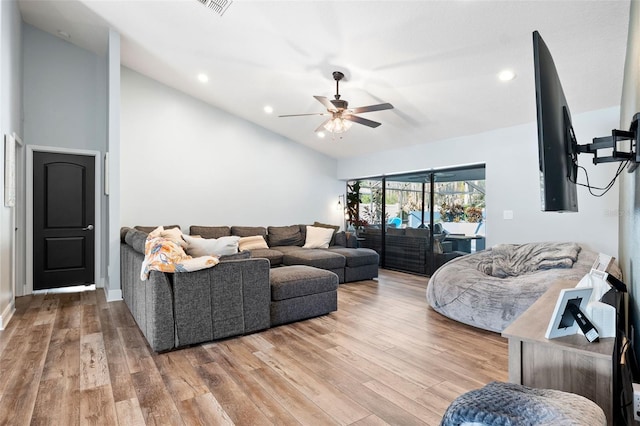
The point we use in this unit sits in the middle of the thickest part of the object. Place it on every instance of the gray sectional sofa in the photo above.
(285, 248)
(244, 293)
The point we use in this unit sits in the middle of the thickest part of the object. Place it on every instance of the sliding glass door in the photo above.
(419, 221)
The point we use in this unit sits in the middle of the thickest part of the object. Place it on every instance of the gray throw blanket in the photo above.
(505, 404)
(511, 260)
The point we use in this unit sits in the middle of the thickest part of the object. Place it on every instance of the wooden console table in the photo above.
(570, 363)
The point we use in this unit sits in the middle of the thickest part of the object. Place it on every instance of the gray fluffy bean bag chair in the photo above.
(463, 290)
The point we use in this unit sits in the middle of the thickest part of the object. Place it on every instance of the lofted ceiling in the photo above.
(435, 61)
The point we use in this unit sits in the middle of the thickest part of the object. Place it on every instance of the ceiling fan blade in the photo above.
(321, 127)
(326, 102)
(302, 115)
(369, 108)
(361, 120)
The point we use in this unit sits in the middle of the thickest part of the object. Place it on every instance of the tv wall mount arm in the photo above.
(613, 142)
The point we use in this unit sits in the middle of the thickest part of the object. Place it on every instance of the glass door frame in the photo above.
(430, 179)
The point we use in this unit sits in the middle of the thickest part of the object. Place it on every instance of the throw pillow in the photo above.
(252, 243)
(318, 237)
(211, 246)
(335, 228)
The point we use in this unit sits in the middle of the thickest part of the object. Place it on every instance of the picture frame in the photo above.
(562, 322)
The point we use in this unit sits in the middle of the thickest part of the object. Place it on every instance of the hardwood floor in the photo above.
(383, 358)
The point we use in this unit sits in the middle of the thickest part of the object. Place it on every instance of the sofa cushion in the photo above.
(323, 259)
(210, 231)
(274, 256)
(284, 236)
(252, 243)
(340, 239)
(318, 237)
(149, 229)
(286, 249)
(211, 246)
(299, 280)
(356, 257)
(248, 231)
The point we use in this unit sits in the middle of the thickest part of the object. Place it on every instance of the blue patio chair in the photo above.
(395, 221)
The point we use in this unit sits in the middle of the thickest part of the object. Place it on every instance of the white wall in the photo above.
(512, 179)
(10, 122)
(65, 102)
(185, 162)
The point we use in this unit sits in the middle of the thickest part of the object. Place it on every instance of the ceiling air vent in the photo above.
(218, 6)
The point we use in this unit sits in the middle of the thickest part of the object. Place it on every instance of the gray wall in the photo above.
(65, 101)
(630, 183)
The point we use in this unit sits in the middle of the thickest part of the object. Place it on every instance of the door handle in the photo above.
(88, 228)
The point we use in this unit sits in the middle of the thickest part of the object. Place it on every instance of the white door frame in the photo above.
(97, 159)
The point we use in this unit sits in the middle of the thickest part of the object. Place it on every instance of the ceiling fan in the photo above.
(341, 116)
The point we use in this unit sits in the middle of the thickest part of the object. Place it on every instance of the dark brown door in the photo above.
(63, 220)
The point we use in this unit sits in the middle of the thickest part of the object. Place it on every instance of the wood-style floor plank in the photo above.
(384, 358)
(97, 406)
(129, 412)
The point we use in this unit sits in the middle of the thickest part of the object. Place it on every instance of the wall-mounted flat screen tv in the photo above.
(557, 147)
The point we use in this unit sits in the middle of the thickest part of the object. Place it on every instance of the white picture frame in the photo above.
(9, 171)
(566, 296)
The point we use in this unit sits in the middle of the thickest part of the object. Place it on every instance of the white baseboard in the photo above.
(7, 315)
(113, 295)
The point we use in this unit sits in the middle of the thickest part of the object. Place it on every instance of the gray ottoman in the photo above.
(319, 258)
(299, 292)
(361, 263)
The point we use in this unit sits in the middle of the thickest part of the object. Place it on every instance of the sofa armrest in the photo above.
(150, 301)
(230, 299)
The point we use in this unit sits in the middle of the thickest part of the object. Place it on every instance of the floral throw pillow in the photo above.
(167, 255)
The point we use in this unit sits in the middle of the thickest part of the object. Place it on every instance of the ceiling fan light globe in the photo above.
(337, 125)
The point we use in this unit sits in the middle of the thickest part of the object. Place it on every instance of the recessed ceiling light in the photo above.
(506, 75)
(203, 78)
(320, 135)
(268, 109)
(64, 34)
